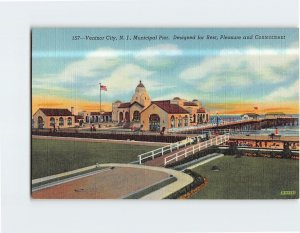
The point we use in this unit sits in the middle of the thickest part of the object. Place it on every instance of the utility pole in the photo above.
(217, 129)
(100, 106)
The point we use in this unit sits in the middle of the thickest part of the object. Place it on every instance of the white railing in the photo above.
(194, 149)
(202, 126)
(207, 125)
(170, 148)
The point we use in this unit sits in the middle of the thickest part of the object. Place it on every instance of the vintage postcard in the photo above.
(165, 113)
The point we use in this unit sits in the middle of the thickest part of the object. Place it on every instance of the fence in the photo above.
(170, 148)
(135, 137)
(194, 149)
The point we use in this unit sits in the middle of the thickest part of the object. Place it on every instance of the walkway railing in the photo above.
(207, 125)
(170, 148)
(194, 149)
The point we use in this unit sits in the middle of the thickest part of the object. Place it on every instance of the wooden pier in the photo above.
(245, 125)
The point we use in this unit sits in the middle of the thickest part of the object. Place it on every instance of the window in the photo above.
(186, 121)
(136, 116)
(121, 116)
(52, 121)
(172, 121)
(61, 121)
(127, 116)
(154, 122)
(179, 122)
(69, 120)
(40, 122)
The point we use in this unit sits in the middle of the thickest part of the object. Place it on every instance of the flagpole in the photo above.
(100, 104)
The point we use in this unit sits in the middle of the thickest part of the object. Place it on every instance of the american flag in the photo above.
(103, 88)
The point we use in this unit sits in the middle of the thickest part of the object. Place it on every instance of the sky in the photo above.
(229, 76)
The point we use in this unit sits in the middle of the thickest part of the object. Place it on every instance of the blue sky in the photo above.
(218, 72)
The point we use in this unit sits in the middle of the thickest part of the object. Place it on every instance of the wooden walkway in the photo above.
(160, 161)
(187, 150)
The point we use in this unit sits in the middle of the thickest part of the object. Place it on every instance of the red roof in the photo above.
(95, 113)
(107, 114)
(189, 104)
(201, 110)
(135, 102)
(56, 111)
(124, 105)
(103, 113)
(170, 108)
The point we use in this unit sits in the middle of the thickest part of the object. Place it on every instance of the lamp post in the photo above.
(217, 132)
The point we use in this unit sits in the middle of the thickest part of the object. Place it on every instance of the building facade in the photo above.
(53, 118)
(156, 115)
(95, 117)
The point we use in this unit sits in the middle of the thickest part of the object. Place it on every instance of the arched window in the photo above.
(52, 121)
(127, 116)
(40, 122)
(194, 118)
(200, 120)
(61, 121)
(172, 121)
(121, 116)
(154, 122)
(179, 122)
(186, 123)
(69, 121)
(136, 116)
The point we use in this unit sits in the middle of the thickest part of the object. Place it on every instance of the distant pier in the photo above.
(246, 125)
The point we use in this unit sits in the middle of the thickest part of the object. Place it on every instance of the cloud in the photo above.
(73, 79)
(260, 52)
(90, 66)
(80, 78)
(284, 93)
(242, 68)
(158, 56)
(123, 79)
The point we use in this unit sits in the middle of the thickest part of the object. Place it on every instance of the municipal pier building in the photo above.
(142, 112)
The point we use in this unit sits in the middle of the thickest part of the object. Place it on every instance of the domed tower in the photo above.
(197, 102)
(141, 96)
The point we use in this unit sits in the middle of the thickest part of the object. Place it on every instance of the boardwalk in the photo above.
(159, 162)
(187, 150)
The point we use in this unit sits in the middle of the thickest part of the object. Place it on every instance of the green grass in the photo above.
(249, 178)
(56, 156)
